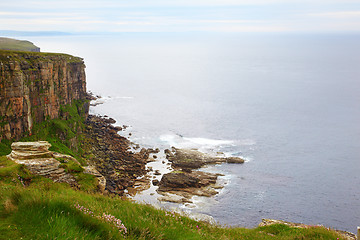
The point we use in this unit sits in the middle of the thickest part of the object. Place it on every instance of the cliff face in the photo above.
(33, 86)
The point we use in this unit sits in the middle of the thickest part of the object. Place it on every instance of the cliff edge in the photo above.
(34, 86)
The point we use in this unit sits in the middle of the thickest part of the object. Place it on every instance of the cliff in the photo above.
(34, 87)
(43, 97)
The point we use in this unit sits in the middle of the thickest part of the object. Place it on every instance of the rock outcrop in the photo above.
(187, 159)
(185, 185)
(39, 160)
(101, 179)
(34, 86)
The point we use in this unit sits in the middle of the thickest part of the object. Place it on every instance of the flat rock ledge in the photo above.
(40, 161)
(268, 222)
(179, 187)
(187, 159)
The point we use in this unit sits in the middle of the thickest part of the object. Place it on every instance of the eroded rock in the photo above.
(39, 160)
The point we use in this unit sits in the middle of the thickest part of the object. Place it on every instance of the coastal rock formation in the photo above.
(187, 184)
(187, 159)
(39, 160)
(34, 86)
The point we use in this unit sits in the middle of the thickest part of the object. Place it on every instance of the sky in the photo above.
(181, 15)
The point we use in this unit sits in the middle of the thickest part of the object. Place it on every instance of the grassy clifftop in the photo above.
(17, 45)
(32, 207)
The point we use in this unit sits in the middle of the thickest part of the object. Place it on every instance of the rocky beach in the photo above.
(124, 165)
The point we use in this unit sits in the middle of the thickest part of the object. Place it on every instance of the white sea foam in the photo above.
(229, 148)
(198, 143)
(123, 97)
(208, 142)
(105, 99)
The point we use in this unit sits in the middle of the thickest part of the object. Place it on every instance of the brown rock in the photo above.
(186, 159)
(155, 182)
(234, 160)
(188, 184)
(34, 86)
(175, 180)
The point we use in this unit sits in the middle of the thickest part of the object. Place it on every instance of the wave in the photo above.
(179, 141)
(227, 148)
(102, 100)
(208, 142)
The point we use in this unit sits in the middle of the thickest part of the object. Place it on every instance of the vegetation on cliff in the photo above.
(17, 45)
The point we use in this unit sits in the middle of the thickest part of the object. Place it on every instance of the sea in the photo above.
(286, 103)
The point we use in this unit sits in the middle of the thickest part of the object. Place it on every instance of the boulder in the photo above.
(30, 150)
(155, 182)
(175, 180)
(101, 179)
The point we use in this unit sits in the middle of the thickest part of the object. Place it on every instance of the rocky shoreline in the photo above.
(109, 153)
(125, 170)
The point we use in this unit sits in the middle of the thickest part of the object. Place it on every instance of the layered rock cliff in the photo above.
(34, 86)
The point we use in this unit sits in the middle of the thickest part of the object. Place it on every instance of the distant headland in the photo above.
(17, 45)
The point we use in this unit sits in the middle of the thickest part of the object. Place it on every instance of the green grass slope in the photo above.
(17, 45)
(33, 207)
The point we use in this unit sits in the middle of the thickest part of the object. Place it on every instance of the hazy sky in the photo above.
(181, 15)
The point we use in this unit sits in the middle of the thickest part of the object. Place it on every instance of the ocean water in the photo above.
(288, 104)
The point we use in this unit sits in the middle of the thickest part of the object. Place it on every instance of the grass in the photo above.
(34, 57)
(16, 45)
(5, 148)
(41, 209)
